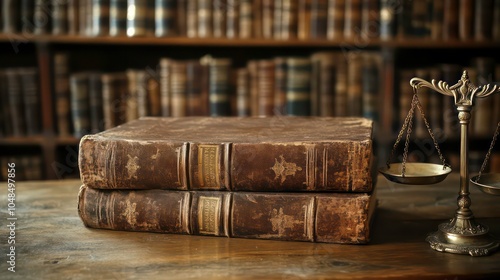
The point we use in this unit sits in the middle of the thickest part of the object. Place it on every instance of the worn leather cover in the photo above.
(313, 217)
(230, 153)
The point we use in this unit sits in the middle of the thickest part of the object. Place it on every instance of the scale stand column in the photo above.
(462, 235)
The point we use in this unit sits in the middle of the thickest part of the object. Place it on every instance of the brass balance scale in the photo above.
(462, 234)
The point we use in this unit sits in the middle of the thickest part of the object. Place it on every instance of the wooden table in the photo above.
(52, 243)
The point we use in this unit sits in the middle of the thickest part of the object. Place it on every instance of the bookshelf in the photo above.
(397, 51)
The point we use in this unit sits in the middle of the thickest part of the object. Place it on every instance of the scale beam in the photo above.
(462, 234)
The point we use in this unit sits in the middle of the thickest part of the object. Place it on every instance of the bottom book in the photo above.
(315, 217)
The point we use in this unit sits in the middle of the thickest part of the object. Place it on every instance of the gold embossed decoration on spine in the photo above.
(209, 215)
(208, 166)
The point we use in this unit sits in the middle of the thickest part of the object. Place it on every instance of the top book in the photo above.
(310, 154)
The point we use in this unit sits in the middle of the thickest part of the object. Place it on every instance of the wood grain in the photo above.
(52, 243)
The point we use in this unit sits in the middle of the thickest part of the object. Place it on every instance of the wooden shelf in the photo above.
(360, 43)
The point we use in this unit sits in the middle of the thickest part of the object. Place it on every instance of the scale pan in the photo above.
(417, 173)
(488, 183)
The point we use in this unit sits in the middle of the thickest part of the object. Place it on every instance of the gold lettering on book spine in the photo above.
(209, 215)
(208, 166)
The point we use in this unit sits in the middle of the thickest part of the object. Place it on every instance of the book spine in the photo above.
(496, 21)
(335, 21)
(204, 18)
(280, 76)
(73, 17)
(341, 87)
(354, 85)
(437, 20)
(465, 23)
(27, 16)
(192, 18)
(304, 19)
(5, 129)
(326, 85)
(142, 93)
(319, 18)
(242, 93)
(256, 20)
(165, 18)
(114, 89)
(83, 21)
(100, 18)
(62, 93)
(79, 99)
(298, 91)
(370, 19)
(10, 16)
(352, 17)
(181, 17)
(138, 18)
(232, 18)
(15, 101)
(95, 103)
(245, 19)
(132, 95)
(289, 19)
(267, 18)
(154, 98)
(194, 100)
(165, 92)
(370, 86)
(483, 115)
(450, 20)
(419, 18)
(31, 99)
(265, 84)
(117, 18)
(404, 19)
(219, 87)
(59, 17)
(483, 19)
(219, 13)
(329, 218)
(41, 18)
(178, 88)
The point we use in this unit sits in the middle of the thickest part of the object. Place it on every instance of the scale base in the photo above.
(474, 241)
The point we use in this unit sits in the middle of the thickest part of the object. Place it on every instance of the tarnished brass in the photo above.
(417, 173)
(462, 235)
(489, 183)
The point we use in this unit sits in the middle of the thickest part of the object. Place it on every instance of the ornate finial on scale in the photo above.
(462, 235)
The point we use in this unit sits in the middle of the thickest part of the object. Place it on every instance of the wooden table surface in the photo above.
(52, 243)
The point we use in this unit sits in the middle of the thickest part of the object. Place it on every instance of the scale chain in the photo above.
(486, 159)
(436, 145)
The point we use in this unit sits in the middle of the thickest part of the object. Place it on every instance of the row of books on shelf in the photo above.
(271, 19)
(27, 167)
(19, 102)
(440, 111)
(323, 84)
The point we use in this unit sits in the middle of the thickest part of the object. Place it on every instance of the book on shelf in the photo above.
(15, 102)
(246, 154)
(118, 18)
(62, 93)
(28, 166)
(314, 217)
(483, 19)
(59, 15)
(165, 17)
(31, 99)
(79, 100)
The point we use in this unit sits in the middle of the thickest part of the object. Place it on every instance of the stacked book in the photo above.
(282, 178)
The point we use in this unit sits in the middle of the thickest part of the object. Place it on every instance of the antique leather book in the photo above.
(230, 153)
(314, 217)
